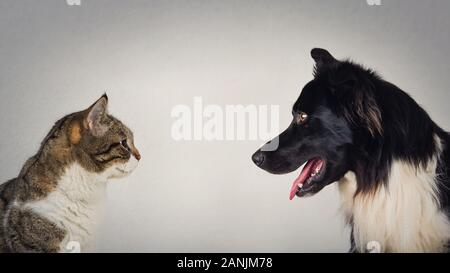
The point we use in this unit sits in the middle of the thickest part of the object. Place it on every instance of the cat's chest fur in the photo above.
(75, 205)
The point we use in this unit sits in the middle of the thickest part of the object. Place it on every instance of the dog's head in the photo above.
(334, 111)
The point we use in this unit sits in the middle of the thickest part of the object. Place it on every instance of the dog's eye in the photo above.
(301, 118)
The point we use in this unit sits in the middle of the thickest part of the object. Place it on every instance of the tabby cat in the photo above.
(57, 198)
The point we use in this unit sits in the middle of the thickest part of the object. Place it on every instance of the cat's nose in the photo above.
(136, 154)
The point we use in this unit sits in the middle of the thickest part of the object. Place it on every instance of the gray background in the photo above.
(152, 55)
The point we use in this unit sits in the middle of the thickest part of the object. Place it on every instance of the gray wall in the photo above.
(152, 55)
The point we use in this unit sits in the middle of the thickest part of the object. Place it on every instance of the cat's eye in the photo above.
(301, 118)
(124, 143)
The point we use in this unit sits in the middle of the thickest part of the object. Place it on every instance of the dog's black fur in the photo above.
(357, 122)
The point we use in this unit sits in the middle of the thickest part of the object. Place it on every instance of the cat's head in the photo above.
(99, 142)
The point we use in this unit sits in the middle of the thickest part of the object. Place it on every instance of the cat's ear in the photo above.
(95, 115)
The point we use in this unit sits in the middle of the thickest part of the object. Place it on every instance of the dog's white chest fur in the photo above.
(75, 205)
(403, 216)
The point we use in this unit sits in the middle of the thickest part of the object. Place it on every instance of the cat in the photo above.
(55, 202)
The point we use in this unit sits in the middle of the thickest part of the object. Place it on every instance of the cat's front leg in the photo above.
(26, 231)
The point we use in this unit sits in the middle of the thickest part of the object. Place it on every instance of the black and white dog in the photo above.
(391, 161)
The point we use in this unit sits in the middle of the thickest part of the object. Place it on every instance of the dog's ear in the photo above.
(323, 58)
(359, 104)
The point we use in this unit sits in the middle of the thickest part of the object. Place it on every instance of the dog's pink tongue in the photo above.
(304, 174)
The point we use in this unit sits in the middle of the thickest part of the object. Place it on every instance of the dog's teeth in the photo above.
(300, 185)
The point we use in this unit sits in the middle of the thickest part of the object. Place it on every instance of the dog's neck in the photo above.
(401, 216)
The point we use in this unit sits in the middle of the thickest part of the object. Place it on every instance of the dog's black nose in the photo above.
(258, 158)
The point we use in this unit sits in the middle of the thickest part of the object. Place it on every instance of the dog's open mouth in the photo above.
(311, 172)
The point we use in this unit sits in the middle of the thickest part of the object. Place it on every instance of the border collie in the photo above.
(390, 160)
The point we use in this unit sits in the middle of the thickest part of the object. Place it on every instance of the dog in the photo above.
(390, 160)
